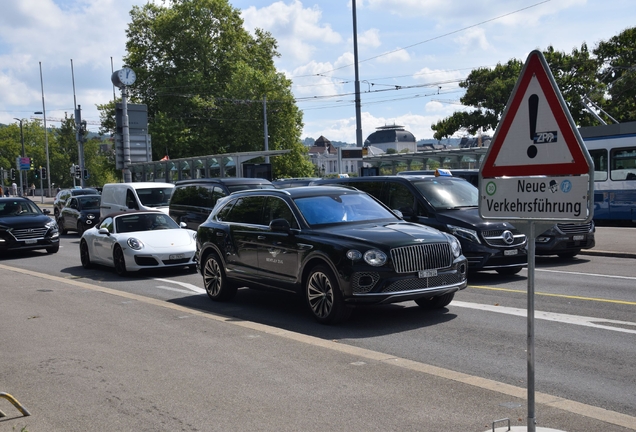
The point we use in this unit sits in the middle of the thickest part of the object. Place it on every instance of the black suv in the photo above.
(564, 239)
(79, 214)
(337, 247)
(23, 226)
(63, 195)
(449, 204)
(193, 200)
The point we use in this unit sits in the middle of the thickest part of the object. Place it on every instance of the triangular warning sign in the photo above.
(536, 135)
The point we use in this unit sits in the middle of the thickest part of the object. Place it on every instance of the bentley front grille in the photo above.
(411, 259)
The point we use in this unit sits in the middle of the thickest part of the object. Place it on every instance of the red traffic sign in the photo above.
(536, 135)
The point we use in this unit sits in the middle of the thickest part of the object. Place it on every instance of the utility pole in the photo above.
(22, 183)
(357, 77)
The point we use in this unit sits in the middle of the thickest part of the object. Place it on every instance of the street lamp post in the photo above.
(23, 154)
(46, 137)
(46, 148)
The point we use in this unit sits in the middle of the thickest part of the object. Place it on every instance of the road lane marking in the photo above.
(556, 402)
(556, 317)
(587, 274)
(625, 302)
(191, 287)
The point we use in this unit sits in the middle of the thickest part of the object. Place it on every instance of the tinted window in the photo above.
(89, 203)
(448, 194)
(157, 196)
(277, 208)
(623, 164)
(197, 195)
(247, 210)
(341, 208)
(600, 164)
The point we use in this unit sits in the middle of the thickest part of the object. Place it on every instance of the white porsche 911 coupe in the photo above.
(137, 240)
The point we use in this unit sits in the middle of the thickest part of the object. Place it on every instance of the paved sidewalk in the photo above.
(81, 357)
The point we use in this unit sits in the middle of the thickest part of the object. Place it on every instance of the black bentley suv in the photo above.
(337, 247)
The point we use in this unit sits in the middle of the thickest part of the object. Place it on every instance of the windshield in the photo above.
(155, 197)
(341, 208)
(18, 208)
(448, 193)
(89, 203)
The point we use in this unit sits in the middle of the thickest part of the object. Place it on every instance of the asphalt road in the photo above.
(97, 352)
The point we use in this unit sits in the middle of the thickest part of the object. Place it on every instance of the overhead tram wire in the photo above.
(429, 40)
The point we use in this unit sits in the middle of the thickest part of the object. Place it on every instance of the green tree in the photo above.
(617, 60)
(207, 82)
(579, 76)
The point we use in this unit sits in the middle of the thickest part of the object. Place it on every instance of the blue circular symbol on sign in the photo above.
(566, 186)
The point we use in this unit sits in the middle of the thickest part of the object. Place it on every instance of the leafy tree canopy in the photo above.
(207, 82)
(606, 77)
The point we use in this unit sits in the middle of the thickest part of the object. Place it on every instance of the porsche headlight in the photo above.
(468, 234)
(375, 257)
(135, 243)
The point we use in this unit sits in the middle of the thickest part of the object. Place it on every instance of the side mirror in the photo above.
(183, 224)
(46, 211)
(280, 225)
(104, 231)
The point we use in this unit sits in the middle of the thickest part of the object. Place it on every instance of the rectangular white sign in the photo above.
(535, 198)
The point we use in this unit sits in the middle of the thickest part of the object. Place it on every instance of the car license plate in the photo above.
(578, 237)
(30, 241)
(511, 252)
(426, 273)
(176, 256)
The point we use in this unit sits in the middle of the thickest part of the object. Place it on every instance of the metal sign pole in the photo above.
(532, 422)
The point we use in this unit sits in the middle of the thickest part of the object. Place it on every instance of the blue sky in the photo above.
(412, 53)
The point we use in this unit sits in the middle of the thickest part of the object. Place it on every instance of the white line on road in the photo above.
(550, 316)
(587, 274)
(191, 287)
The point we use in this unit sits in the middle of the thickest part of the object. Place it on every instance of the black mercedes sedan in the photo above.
(23, 226)
(335, 246)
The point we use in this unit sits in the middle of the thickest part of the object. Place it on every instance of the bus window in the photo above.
(600, 164)
(623, 164)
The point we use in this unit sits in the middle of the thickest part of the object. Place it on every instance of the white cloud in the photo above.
(297, 29)
(473, 39)
(370, 38)
(399, 56)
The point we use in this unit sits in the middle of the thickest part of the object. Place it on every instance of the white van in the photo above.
(118, 197)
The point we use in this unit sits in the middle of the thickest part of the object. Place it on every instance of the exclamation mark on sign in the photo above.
(533, 109)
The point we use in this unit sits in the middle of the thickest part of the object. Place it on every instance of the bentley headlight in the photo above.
(135, 243)
(468, 234)
(456, 248)
(375, 257)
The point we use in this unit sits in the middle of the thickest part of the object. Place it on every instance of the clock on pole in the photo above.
(123, 77)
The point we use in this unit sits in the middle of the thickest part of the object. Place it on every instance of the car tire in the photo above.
(568, 255)
(85, 257)
(119, 261)
(324, 298)
(509, 271)
(437, 302)
(60, 224)
(215, 282)
(53, 249)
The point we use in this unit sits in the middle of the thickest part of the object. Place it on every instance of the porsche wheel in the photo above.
(119, 261)
(85, 257)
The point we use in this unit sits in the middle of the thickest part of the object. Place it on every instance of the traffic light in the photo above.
(85, 174)
(43, 171)
(12, 173)
(36, 174)
(32, 164)
(78, 171)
